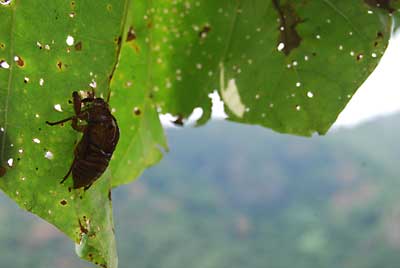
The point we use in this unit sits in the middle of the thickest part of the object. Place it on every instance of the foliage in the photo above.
(165, 56)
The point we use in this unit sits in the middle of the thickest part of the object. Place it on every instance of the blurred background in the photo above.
(230, 195)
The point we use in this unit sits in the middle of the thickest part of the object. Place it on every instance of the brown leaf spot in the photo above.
(3, 171)
(59, 65)
(137, 111)
(382, 4)
(78, 46)
(379, 37)
(82, 228)
(289, 20)
(20, 62)
(63, 202)
(109, 195)
(204, 32)
(131, 35)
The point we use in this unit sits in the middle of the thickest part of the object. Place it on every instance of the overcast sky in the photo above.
(380, 94)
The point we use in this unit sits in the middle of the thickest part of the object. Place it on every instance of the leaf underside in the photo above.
(45, 67)
(291, 66)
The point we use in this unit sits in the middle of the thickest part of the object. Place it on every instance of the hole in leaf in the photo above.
(4, 64)
(58, 108)
(70, 40)
(5, 2)
(281, 46)
(49, 155)
(39, 45)
(93, 84)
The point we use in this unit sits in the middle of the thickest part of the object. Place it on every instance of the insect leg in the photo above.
(67, 175)
(60, 122)
(77, 102)
(91, 94)
(79, 128)
(87, 187)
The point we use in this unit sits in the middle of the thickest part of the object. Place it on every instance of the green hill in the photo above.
(229, 195)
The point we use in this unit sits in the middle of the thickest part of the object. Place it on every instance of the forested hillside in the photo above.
(229, 195)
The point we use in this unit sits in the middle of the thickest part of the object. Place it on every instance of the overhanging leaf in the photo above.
(288, 65)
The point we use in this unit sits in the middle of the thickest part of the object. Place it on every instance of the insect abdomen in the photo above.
(89, 168)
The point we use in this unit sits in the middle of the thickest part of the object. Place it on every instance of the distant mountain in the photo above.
(230, 195)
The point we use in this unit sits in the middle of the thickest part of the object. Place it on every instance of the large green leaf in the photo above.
(288, 65)
(48, 50)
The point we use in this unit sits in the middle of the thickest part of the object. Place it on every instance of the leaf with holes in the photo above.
(47, 51)
(288, 65)
(143, 138)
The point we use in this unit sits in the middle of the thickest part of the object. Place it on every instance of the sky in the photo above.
(378, 96)
(380, 93)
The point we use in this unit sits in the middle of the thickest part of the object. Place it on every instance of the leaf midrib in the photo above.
(10, 81)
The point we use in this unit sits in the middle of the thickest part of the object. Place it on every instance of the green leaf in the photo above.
(142, 137)
(288, 65)
(48, 50)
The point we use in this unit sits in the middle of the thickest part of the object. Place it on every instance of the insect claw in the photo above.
(59, 122)
(87, 187)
